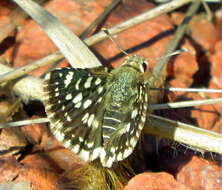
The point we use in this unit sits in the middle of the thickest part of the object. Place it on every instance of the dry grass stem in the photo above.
(173, 44)
(192, 136)
(202, 90)
(23, 122)
(100, 18)
(30, 67)
(185, 104)
(75, 51)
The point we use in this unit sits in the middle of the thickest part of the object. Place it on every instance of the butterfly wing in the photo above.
(123, 141)
(72, 97)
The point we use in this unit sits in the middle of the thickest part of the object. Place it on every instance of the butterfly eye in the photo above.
(144, 64)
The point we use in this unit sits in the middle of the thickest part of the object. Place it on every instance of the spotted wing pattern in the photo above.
(71, 100)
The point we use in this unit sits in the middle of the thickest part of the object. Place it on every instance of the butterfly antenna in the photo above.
(112, 39)
(169, 55)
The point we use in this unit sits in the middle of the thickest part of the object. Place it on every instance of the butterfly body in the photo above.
(98, 114)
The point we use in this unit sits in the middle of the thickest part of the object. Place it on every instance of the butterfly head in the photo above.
(137, 62)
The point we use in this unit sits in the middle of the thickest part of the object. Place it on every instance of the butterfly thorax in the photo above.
(122, 84)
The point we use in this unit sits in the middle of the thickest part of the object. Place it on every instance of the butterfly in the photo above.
(98, 113)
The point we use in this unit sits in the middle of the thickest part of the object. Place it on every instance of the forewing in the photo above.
(123, 141)
(72, 98)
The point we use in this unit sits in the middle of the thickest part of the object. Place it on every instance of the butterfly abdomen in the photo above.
(111, 121)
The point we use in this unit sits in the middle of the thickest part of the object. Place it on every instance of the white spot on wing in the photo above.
(100, 89)
(99, 100)
(78, 105)
(48, 107)
(67, 143)
(90, 120)
(90, 145)
(102, 154)
(141, 126)
(81, 139)
(146, 97)
(119, 156)
(76, 148)
(95, 124)
(69, 78)
(78, 98)
(68, 96)
(87, 84)
(69, 119)
(128, 128)
(109, 162)
(85, 118)
(138, 134)
(143, 118)
(87, 103)
(77, 84)
(140, 93)
(112, 150)
(133, 142)
(51, 115)
(59, 136)
(134, 113)
(57, 125)
(98, 81)
(127, 152)
(145, 106)
(95, 153)
(84, 155)
(47, 77)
